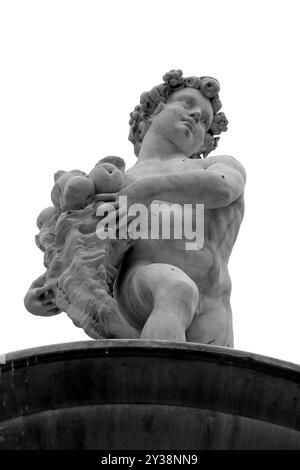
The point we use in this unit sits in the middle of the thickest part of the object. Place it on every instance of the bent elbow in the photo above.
(229, 195)
(225, 197)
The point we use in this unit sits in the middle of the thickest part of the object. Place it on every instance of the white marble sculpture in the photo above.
(148, 287)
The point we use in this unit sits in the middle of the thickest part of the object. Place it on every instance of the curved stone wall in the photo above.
(125, 394)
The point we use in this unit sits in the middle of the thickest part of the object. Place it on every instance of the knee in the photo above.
(187, 291)
(171, 282)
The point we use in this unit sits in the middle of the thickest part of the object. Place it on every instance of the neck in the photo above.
(157, 147)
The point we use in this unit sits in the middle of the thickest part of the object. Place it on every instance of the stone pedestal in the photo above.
(123, 394)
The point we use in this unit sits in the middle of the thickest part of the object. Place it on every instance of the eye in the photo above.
(186, 101)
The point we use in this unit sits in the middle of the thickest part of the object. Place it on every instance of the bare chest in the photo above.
(158, 167)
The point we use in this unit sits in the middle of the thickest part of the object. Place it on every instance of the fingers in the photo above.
(115, 214)
(51, 284)
(106, 197)
(41, 300)
(51, 311)
(39, 282)
(40, 290)
(108, 207)
(47, 289)
(49, 295)
(49, 308)
(48, 303)
(114, 224)
(43, 308)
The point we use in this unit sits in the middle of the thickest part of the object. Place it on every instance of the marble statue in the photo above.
(148, 287)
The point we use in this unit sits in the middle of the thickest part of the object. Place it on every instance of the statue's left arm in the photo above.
(217, 183)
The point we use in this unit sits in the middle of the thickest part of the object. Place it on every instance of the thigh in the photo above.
(134, 302)
(143, 285)
(213, 327)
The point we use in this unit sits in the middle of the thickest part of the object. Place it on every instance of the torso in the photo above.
(207, 266)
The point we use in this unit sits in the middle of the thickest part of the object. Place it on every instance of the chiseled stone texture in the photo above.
(148, 288)
(128, 394)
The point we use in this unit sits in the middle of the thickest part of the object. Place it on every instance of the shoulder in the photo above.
(225, 161)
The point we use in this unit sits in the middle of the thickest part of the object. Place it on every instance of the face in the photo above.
(184, 120)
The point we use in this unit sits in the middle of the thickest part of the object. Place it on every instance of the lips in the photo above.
(190, 123)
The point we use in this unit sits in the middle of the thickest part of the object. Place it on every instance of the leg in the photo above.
(212, 327)
(161, 300)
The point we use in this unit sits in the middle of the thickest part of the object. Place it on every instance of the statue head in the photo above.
(183, 97)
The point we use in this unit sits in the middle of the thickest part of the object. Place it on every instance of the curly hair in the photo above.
(173, 81)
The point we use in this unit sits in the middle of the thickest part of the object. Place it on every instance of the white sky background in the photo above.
(71, 71)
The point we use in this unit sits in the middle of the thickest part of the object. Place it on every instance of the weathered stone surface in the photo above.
(148, 287)
(131, 394)
(81, 268)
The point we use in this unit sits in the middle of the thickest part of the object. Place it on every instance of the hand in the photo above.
(114, 213)
(41, 300)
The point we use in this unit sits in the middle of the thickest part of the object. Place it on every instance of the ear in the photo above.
(210, 144)
(203, 150)
(159, 108)
(58, 174)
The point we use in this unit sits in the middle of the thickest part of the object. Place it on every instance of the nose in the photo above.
(196, 116)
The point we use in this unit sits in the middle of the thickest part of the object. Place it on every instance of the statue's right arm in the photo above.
(218, 184)
(40, 298)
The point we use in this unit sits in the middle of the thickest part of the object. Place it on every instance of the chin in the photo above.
(186, 146)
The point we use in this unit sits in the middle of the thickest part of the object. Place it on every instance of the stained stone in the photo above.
(148, 287)
(135, 394)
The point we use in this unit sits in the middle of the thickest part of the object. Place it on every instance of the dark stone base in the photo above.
(123, 394)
